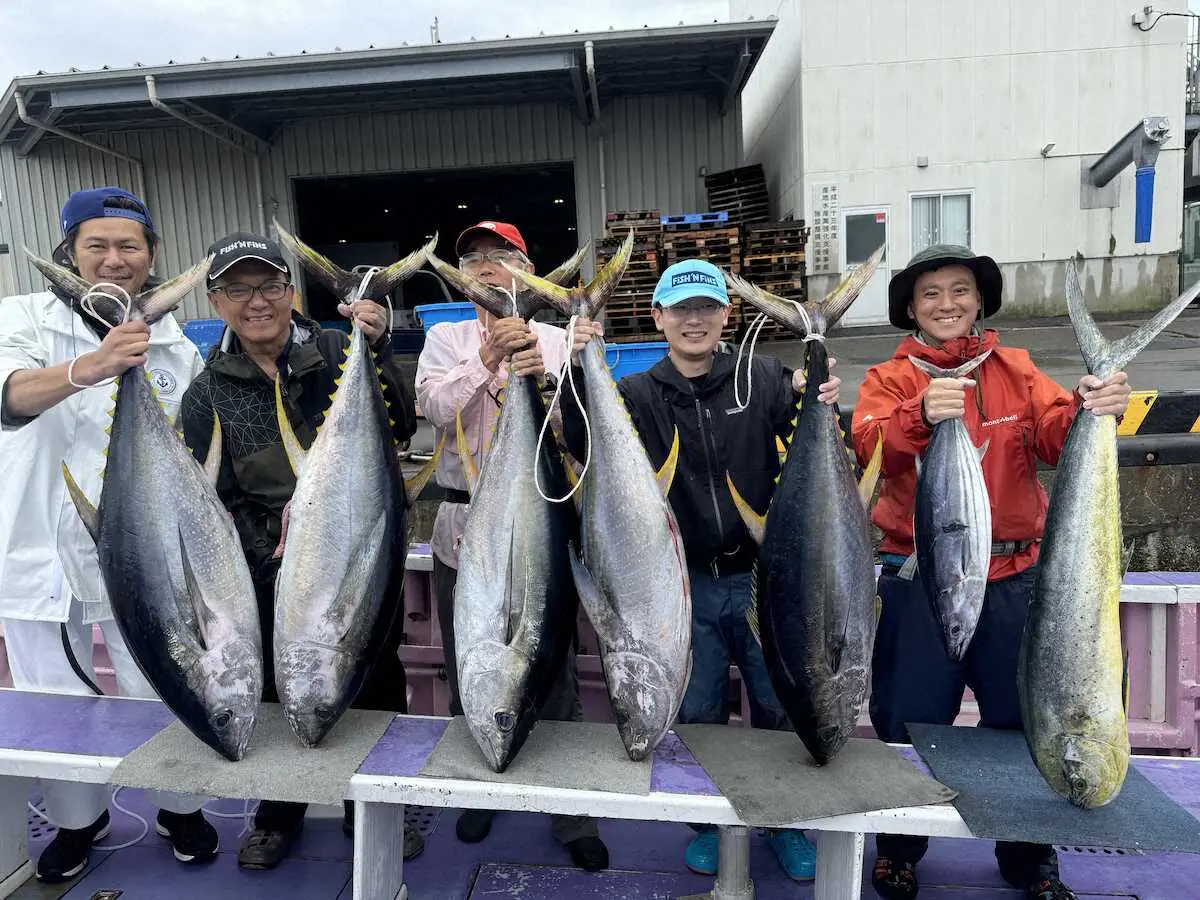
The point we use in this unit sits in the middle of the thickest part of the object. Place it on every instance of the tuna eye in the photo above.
(223, 718)
(324, 713)
(505, 721)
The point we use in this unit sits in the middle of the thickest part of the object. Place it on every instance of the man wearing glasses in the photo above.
(462, 369)
(250, 287)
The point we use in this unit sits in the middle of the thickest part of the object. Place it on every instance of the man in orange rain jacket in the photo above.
(939, 298)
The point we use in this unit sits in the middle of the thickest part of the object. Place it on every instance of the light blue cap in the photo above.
(690, 278)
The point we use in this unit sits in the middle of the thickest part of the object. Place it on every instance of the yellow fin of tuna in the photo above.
(870, 475)
(87, 512)
(291, 444)
(755, 523)
(413, 486)
(666, 475)
(470, 470)
(572, 480)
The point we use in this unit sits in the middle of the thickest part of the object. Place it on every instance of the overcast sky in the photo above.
(54, 35)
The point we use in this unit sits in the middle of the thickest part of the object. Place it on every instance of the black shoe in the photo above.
(589, 854)
(68, 854)
(414, 844)
(192, 837)
(473, 825)
(266, 849)
(894, 880)
(1051, 889)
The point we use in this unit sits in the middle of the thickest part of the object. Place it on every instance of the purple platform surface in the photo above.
(1152, 578)
(404, 747)
(91, 726)
(408, 741)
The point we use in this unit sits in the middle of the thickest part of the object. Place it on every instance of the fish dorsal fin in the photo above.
(414, 485)
(870, 475)
(666, 475)
(296, 453)
(204, 615)
(465, 457)
(87, 512)
(756, 524)
(212, 461)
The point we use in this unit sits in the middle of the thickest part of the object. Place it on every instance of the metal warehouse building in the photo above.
(364, 154)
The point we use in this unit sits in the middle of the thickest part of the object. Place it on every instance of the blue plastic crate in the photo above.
(203, 333)
(626, 359)
(432, 313)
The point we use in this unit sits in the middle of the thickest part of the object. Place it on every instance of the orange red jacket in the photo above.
(1023, 413)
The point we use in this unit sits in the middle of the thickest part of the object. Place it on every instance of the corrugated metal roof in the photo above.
(260, 94)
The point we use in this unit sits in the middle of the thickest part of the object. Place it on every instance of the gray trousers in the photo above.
(561, 706)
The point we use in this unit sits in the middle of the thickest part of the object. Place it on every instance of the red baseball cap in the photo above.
(507, 233)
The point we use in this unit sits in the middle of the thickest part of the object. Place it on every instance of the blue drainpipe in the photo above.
(1144, 204)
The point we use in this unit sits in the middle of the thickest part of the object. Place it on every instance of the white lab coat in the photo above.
(39, 526)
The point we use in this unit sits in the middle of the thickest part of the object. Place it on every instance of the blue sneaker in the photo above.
(797, 856)
(702, 853)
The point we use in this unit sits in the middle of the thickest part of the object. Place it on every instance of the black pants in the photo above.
(914, 680)
(386, 690)
(561, 706)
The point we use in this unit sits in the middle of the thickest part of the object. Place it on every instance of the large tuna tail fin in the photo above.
(568, 270)
(347, 285)
(1102, 357)
(961, 372)
(589, 300)
(812, 317)
(152, 304)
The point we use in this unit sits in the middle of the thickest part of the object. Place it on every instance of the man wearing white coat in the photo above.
(55, 361)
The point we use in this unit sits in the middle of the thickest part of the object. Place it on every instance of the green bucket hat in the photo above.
(900, 290)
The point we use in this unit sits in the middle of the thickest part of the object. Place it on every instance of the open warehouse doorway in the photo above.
(372, 220)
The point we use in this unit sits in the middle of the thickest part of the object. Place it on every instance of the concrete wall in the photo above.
(852, 92)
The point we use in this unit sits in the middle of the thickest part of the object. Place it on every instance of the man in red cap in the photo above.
(464, 367)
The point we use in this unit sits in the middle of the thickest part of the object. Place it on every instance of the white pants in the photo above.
(38, 663)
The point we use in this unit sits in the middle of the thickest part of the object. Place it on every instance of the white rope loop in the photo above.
(568, 373)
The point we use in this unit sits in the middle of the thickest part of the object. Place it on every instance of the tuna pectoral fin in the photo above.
(204, 616)
(413, 486)
(600, 614)
(1104, 358)
(465, 457)
(212, 462)
(870, 475)
(87, 512)
(296, 453)
(666, 475)
(755, 524)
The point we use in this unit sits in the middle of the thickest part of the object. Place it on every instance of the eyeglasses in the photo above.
(239, 292)
(475, 259)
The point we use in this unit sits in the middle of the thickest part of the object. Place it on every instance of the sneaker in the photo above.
(894, 880)
(797, 856)
(264, 849)
(192, 837)
(1051, 889)
(68, 854)
(703, 852)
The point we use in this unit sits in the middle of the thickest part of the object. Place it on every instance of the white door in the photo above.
(864, 228)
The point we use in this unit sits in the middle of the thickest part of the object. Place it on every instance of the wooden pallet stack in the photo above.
(741, 193)
(774, 259)
(705, 236)
(627, 313)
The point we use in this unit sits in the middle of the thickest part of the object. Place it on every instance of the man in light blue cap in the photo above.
(692, 390)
